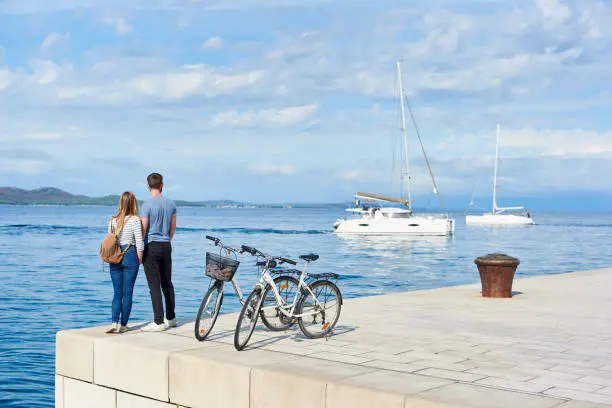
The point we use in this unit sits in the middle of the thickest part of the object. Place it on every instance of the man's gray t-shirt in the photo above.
(159, 211)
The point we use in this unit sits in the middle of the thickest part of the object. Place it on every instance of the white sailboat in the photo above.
(500, 215)
(389, 220)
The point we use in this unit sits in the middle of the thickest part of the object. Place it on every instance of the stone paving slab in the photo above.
(548, 346)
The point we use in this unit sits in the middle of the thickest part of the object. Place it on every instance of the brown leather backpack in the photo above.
(110, 250)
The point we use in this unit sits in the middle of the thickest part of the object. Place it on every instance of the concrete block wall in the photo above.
(173, 370)
(162, 370)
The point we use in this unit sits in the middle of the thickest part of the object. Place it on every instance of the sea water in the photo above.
(53, 277)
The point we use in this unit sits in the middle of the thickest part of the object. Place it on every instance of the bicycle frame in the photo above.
(267, 278)
(229, 252)
(238, 291)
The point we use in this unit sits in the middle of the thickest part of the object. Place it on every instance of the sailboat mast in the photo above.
(406, 162)
(495, 172)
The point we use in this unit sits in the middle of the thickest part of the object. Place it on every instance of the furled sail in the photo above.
(370, 196)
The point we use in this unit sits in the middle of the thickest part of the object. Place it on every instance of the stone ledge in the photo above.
(74, 351)
(549, 346)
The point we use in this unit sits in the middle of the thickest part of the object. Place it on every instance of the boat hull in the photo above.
(402, 226)
(498, 219)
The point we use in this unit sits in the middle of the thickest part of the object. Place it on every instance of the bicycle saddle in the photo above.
(309, 257)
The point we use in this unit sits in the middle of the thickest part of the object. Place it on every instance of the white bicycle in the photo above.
(222, 268)
(316, 302)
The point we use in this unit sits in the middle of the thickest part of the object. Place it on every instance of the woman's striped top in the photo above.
(131, 232)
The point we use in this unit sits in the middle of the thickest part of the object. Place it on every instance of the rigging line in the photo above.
(474, 192)
(428, 201)
(416, 128)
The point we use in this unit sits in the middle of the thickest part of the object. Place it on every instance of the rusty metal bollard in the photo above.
(496, 274)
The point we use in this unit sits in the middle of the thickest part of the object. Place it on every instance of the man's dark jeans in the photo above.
(158, 269)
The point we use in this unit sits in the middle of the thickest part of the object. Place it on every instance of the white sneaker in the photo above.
(114, 328)
(123, 329)
(152, 327)
(170, 323)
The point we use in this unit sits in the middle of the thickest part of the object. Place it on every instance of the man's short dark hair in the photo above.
(155, 181)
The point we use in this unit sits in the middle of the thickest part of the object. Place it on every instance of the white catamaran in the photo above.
(500, 215)
(388, 220)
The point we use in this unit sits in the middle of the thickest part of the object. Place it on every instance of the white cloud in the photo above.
(42, 136)
(171, 86)
(179, 85)
(23, 161)
(531, 142)
(6, 77)
(53, 39)
(46, 72)
(555, 12)
(559, 142)
(36, 6)
(452, 51)
(268, 117)
(174, 86)
(22, 166)
(213, 43)
(183, 22)
(273, 169)
(77, 180)
(354, 175)
(493, 73)
(119, 24)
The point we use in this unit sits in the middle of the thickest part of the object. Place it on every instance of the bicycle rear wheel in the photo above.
(270, 314)
(209, 311)
(247, 319)
(318, 318)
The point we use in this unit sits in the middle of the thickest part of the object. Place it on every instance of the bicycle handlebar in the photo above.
(251, 250)
(289, 261)
(257, 252)
(218, 242)
(214, 239)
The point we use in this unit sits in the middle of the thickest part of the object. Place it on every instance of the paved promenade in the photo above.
(548, 346)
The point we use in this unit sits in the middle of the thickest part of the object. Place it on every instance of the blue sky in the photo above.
(283, 100)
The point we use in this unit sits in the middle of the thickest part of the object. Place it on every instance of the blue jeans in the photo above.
(124, 277)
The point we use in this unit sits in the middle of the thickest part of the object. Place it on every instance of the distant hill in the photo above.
(55, 196)
(51, 195)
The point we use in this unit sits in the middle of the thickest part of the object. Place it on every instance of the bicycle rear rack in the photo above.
(320, 276)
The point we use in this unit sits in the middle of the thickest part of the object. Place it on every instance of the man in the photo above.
(158, 216)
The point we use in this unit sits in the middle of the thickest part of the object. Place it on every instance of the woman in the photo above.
(126, 224)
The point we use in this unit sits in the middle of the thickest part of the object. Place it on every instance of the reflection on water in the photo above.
(393, 261)
(49, 258)
(389, 242)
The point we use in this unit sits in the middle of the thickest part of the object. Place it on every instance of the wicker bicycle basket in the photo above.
(220, 267)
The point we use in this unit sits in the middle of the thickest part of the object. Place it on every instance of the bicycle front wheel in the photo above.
(270, 312)
(319, 314)
(247, 319)
(209, 311)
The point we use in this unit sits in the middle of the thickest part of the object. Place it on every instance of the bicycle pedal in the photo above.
(325, 326)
